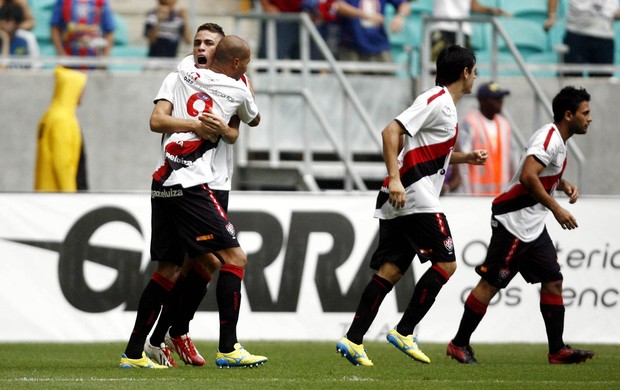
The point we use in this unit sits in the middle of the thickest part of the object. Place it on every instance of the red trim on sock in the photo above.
(551, 299)
(202, 273)
(441, 271)
(162, 281)
(233, 269)
(382, 282)
(475, 305)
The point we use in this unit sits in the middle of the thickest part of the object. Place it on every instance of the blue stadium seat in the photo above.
(405, 44)
(41, 30)
(529, 37)
(41, 4)
(490, 3)
(423, 7)
(121, 32)
(481, 36)
(128, 51)
(533, 10)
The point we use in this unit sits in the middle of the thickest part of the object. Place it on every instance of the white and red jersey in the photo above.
(515, 208)
(187, 159)
(431, 126)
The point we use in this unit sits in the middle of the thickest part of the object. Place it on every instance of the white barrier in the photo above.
(75, 264)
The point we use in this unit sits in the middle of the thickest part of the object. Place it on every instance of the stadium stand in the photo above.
(533, 10)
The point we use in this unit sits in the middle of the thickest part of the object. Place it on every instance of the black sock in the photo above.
(193, 291)
(169, 311)
(154, 294)
(424, 295)
(228, 294)
(552, 309)
(472, 315)
(371, 299)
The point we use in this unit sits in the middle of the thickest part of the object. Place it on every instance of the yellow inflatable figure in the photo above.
(60, 162)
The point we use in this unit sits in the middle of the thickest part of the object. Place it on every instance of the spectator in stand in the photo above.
(287, 32)
(165, 27)
(324, 14)
(486, 128)
(61, 162)
(28, 22)
(11, 16)
(363, 35)
(82, 28)
(24, 26)
(444, 33)
(589, 32)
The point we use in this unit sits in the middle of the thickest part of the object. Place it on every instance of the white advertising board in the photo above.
(75, 265)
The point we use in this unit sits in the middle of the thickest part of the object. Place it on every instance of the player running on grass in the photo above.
(520, 242)
(411, 220)
(187, 217)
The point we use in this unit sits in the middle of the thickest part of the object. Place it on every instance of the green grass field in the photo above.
(308, 365)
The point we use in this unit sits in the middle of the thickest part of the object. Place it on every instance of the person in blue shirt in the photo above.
(363, 35)
(11, 15)
(82, 28)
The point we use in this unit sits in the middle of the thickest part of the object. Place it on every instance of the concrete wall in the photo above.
(122, 151)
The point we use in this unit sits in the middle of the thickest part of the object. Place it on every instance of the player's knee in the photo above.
(554, 287)
(449, 268)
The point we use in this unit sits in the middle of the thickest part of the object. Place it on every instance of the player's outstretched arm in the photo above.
(475, 157)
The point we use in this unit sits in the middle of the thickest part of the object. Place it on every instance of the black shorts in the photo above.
(537, 261)
(400, 239)
(189, 221)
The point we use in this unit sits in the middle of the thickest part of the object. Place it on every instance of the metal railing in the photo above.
(305, 66)
(541, 101)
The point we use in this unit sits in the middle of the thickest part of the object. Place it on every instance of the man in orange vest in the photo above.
(485, 128)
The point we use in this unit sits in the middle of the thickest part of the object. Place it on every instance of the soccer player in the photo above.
(520, 242)
(417, 148)
(186, 216)
(172, 328)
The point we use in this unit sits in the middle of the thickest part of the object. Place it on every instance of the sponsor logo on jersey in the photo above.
(171, 193)
(205, 237)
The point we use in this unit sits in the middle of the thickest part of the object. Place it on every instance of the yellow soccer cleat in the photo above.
(143, 362)
(407, 344)
(354, 353)
(240, 357)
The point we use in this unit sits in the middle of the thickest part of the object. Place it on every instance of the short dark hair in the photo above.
(213, 27)
(451, 62)
(568, 99)
(10, 11)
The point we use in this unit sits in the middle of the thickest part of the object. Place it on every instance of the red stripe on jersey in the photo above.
(435, 96)
(426, 153)
(244, 79)
(548, 139)
(161, 172)
(98, 12)
(184, 148)
(66, 11)
(547, 181)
